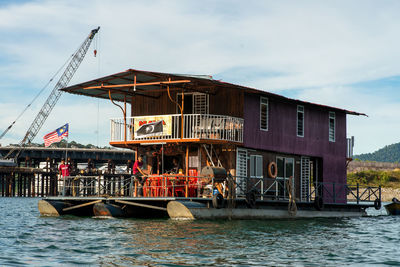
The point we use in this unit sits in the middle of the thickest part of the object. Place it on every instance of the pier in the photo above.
(37, 175)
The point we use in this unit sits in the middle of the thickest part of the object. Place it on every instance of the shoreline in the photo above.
(389, 193)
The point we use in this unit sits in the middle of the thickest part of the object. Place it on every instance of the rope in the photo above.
(292, 207)
(33, 100)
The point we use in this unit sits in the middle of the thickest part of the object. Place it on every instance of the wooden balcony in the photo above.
(175, 128)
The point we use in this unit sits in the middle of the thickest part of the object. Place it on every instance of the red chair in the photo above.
(146, 187)
(193, 183)
(180, 183)
(155, 186)
(166, 186)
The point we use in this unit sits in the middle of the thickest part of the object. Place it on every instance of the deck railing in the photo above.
(167, 185)
(176, 185)
(195, 126)
(332, 193)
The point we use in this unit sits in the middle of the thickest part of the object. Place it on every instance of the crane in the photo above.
(52, 99)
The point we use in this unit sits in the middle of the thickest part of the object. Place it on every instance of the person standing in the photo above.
(64, 170)
(139, 174)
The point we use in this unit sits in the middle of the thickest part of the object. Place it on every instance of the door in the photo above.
(285, 171)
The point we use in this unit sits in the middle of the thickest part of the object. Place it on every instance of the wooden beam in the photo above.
(137, 84)
(140, 205)
(177, 141)
(82, 205)
(122, 92)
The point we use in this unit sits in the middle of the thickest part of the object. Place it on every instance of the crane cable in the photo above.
(37, 95)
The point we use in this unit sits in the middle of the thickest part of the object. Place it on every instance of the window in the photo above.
(332, 126)
(264, 113)
(256, 169)
(195, 103)
(201, 103)
(300, 121)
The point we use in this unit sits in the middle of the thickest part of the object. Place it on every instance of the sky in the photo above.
(343, 54)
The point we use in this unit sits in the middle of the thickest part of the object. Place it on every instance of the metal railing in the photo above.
(176, 185)
(342, 193)
(172, 185)
(332, 193)
(195, 126)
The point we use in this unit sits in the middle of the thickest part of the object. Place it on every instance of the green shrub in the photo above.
(373, 178)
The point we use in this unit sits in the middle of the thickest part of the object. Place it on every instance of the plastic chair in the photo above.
(180, 186)
(193, 183)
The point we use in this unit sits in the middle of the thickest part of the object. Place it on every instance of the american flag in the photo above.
(56, 136)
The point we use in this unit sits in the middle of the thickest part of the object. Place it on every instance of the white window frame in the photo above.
(256, 166)
(194, 95)
(332, 116)
(300, 109)
(264, 102)
(241, 170)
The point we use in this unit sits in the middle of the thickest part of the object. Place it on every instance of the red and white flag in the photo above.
(56, 135)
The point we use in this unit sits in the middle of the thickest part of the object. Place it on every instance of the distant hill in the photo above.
(390, 153)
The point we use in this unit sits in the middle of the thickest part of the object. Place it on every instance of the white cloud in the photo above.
(372, 132)
(321, 47)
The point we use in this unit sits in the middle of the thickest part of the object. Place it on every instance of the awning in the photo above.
(148, 83)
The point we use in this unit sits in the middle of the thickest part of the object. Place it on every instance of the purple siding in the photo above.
(282, 134)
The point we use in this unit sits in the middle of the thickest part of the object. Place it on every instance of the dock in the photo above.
(36, 173)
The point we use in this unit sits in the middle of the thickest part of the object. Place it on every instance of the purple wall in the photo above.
(282, 136)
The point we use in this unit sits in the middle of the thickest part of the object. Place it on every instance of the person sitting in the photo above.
(139, 174)
(175, 166)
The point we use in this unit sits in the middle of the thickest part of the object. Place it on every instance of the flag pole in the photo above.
(66, 148)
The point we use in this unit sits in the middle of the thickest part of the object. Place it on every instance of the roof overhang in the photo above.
(121, 86)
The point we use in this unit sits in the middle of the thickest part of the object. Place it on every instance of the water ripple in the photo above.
(28, 239)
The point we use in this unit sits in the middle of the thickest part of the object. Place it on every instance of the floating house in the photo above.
(277, 152)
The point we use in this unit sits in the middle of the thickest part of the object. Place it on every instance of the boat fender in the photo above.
(272, 169)
(251, 199)
(218, 201)
(319, 203)
(377, 204)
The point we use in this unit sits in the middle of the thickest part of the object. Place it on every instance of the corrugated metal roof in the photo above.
(197, 83)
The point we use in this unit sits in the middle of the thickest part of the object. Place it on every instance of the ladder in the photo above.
(209, 155)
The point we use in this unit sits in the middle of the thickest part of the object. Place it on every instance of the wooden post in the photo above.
(187, 171)
(19, 188)
(1, 185)
(183, 106)
(24, 183)
(8, 185)
(33, 185)
(125, 134)
(42, 184)
(29, 186)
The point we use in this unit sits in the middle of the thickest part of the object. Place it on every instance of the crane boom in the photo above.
(54, 96)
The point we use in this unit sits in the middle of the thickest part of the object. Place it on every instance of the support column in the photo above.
(187, 171)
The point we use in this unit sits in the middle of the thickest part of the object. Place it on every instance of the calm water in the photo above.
(28, 239)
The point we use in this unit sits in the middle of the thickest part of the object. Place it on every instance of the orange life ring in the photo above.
(272, 169)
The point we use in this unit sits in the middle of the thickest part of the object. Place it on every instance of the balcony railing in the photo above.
(195, 126)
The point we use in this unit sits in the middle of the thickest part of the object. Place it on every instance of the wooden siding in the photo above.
(223, 101)
(143, 106)
(282, 136)
(227, 102)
